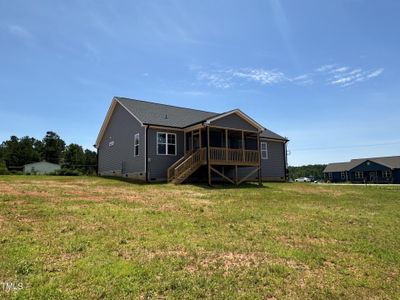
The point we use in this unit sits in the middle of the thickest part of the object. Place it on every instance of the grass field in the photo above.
(96, 238)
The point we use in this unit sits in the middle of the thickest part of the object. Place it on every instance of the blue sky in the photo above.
(323, 73)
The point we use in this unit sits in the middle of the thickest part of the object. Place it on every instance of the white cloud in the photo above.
(325, 68)
(375, 73)
(333, 74)
(19, 31)
(259, 75)
(354, 76)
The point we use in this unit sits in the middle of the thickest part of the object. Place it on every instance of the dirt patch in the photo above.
(316, 190)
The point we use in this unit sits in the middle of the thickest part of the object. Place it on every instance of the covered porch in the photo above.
(219, 149)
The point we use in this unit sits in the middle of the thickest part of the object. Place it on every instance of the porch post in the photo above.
(200, 138)
(259, 160)
(243, 158)
(208, 156)
(226, 144)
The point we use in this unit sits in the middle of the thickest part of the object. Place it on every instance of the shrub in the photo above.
(68, 172)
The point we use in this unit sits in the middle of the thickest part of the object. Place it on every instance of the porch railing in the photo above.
(234, 156)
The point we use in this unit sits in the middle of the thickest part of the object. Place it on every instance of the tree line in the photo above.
(315, 171)
(16, 152)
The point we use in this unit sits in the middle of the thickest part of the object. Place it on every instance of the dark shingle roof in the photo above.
(271, 135)
(392, 162)
(164, 115)
(173, 116)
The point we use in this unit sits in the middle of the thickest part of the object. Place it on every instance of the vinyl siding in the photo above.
(234, 121)
(119, 159)
(272, 169)
(159, 164)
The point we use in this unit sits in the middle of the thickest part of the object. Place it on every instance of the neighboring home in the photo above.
(373, 170)
(156, 142)
(41, 167)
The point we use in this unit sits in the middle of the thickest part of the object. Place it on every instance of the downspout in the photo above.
(285, 167)
(146, 160)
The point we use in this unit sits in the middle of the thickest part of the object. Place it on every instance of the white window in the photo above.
(136, 145)
(387, 174)
(343, 175)
(264, 150)
(166, 143)
(330, 175)
(359, 175)
(110, 144)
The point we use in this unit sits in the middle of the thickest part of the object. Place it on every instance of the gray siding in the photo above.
(159, 164)
(234, 121)
(119, 159)
(274, 167)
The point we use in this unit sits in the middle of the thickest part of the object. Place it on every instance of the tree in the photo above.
(52, 147)
(18, 152)
(315, 171)
(74, 157)
(90, 161)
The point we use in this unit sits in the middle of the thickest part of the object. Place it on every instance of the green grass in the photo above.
(97, 238)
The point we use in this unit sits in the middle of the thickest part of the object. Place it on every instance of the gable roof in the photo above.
(392, 162)
(268, 134)
(239, 113)
(157, 114)
(152, 113)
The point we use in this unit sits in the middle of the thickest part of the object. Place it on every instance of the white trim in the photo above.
(165, 127)
(108, 117)
(166, 143)
(240, 114)
(266, 150)
(136, 145)
(145, 151)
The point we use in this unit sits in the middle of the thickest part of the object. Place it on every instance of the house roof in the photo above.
(42, 163)
(152, 113)
(271, 135)
(157, 114)
(392, 162)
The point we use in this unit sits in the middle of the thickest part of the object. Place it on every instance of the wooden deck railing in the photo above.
(233, 156)
(171, 169)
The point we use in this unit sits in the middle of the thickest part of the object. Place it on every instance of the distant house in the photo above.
(373, 170)
(41, 167)
(156, 142)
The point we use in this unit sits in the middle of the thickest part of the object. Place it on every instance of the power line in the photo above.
(346, 147)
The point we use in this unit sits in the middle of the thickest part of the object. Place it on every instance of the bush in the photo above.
(68, 172)
(3, 168)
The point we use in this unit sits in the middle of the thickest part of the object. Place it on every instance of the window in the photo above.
(343, 175)
(136, 145)
(387, 174)
(264, 150)
(330, 175)
(166, 143)
(359, 175)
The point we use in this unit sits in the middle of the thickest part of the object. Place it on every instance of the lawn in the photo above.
(98, 238)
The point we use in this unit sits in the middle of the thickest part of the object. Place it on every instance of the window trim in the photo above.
(166, 143)
(358, 173)
(136, 145)
(343, 175)
(264, 151)
(387, 174)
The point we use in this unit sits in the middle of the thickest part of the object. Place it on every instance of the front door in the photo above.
(372, 176)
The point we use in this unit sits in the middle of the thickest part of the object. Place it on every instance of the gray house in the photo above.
(41, 167)
(360, 170)
(156, 142)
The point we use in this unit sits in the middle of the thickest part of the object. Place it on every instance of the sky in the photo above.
(325, 74)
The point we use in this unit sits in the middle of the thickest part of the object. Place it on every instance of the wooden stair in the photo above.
(186, 166)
